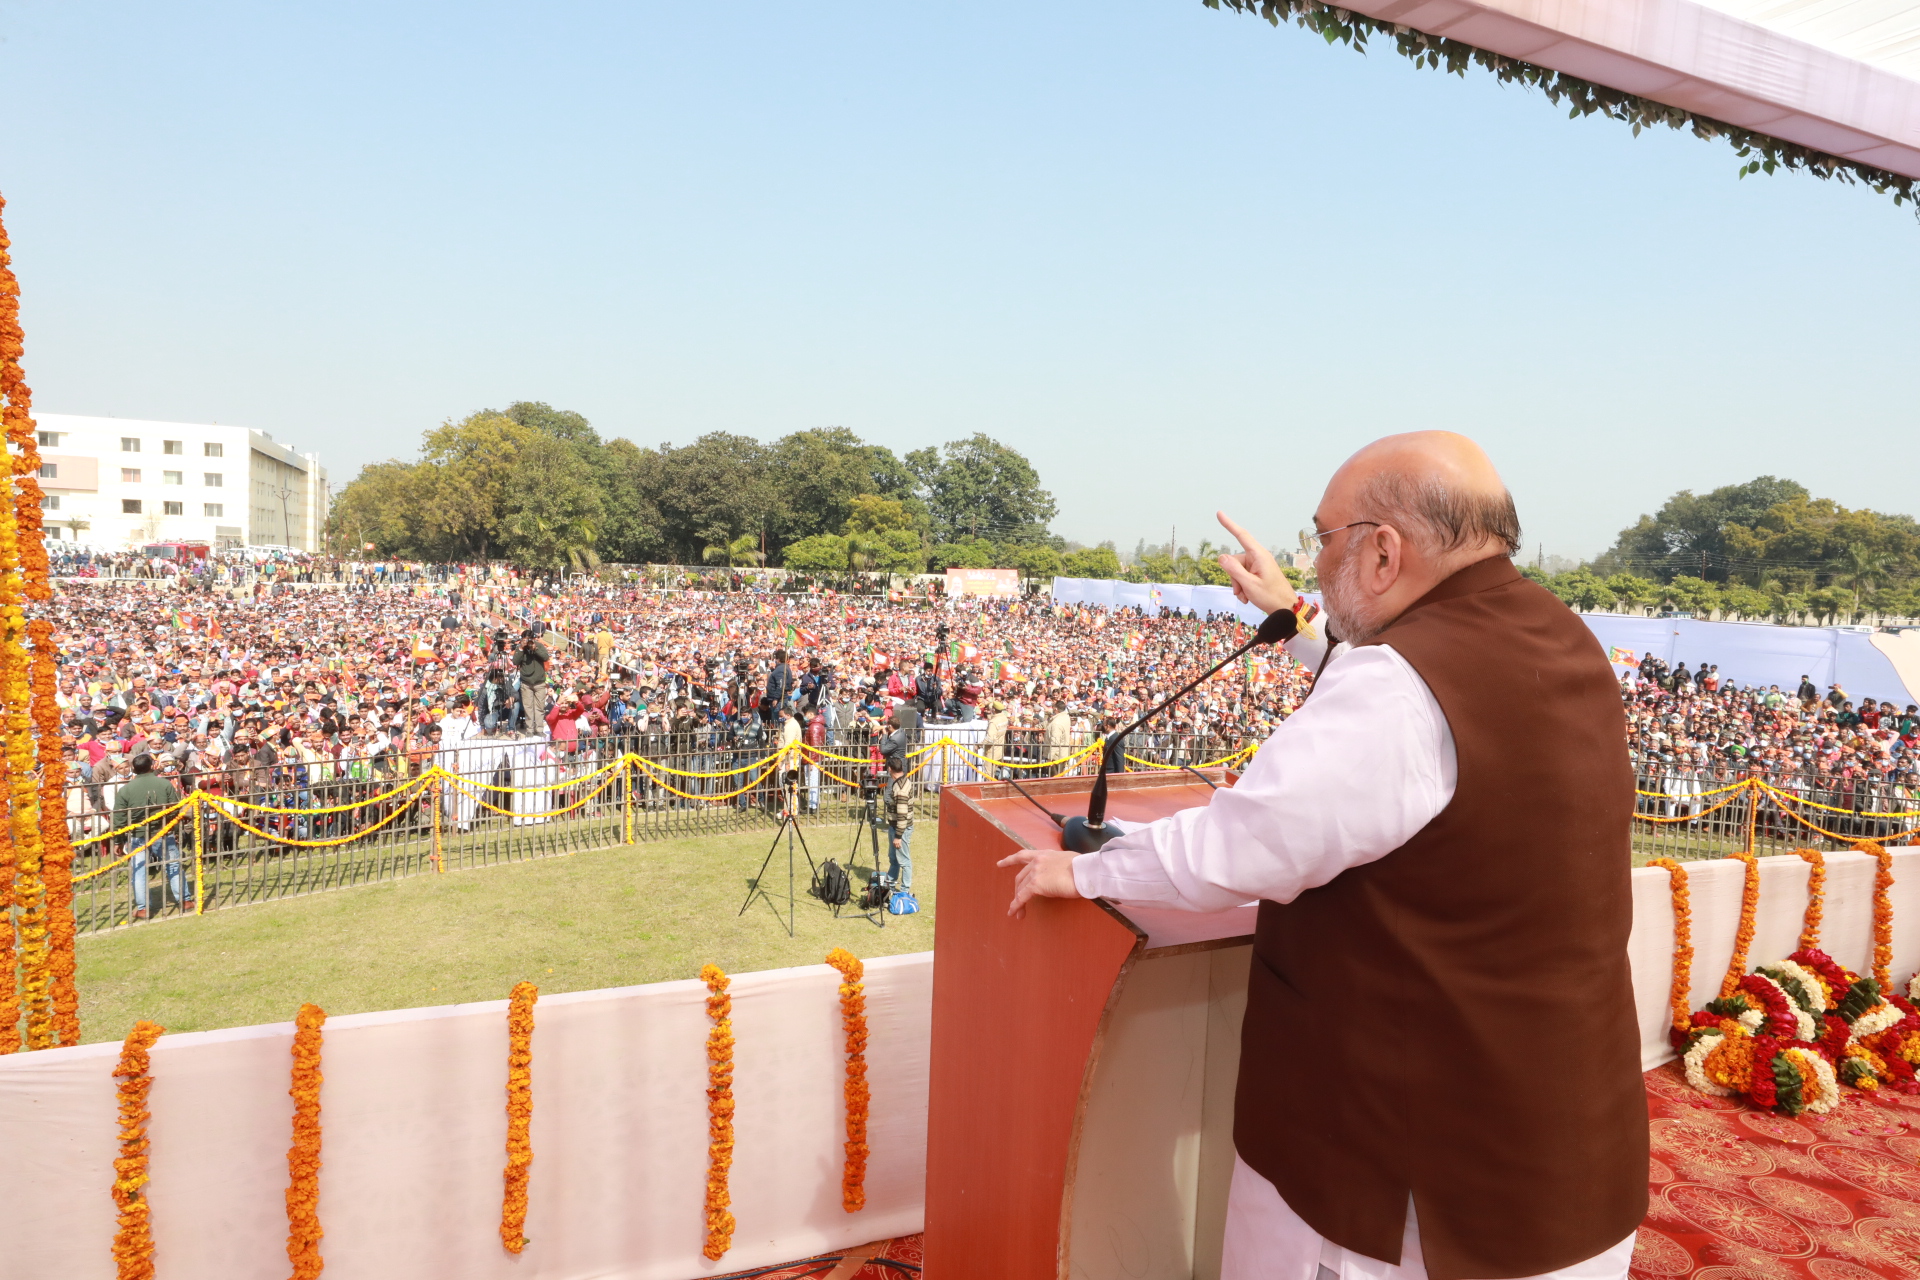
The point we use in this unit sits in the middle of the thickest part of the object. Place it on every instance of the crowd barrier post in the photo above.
(439, 867)
(627, 768)
(199, 853)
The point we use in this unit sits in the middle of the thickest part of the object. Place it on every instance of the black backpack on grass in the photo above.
(835, 889)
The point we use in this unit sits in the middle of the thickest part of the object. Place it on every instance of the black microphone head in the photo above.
(1279, 625)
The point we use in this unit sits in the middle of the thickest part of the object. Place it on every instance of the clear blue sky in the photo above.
(1181, 259)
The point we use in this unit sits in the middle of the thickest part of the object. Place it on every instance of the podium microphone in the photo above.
(1088, 834)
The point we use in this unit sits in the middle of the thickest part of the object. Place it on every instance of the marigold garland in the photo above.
(1816, 897)
(303, 1157)
(1743, 938)
(133, 1242)
(719, 1111)
(853, 1019)
(23, 575)
(1788, 1035)
(1680, 995)
(56, 840)
(513, 1207)
(1882, 914)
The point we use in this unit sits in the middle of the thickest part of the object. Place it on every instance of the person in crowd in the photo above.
(135, 803)
(897, 811)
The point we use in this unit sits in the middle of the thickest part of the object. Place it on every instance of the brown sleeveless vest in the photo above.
(1456, 1020)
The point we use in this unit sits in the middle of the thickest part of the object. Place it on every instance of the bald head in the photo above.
(1403, 515)
(1438, 488)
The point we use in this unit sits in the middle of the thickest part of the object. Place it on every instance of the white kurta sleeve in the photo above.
(1350, 777)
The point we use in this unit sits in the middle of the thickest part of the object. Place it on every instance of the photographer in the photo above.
(532, 659)
(926, 690)
(779, 684)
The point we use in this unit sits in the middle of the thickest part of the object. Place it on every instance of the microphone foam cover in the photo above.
(1279, 625)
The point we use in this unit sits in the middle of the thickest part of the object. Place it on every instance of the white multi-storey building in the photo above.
(115, 483)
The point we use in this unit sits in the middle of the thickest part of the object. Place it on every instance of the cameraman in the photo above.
(926, 691)
(532, 660)
(778, 686)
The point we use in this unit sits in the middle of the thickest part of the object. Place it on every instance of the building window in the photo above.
(214, 480)
(129, 444)
(214, 509)
(51, 502)
(173, 508)
(173, 477)
(129, 506)
(173, 446)
(214, 450)
(49, 471)
(129, 475)
(50, 438)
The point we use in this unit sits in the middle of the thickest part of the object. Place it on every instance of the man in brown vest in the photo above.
(1439, 1070)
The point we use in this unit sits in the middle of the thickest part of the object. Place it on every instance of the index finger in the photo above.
(1245, 539)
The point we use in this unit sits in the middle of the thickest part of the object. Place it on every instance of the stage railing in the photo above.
(1685, 814)
(294, 828)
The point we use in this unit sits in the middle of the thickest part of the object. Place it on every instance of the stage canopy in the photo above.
(1837, 78)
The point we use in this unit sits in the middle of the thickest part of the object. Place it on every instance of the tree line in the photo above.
(540, 487)
(1763, 550)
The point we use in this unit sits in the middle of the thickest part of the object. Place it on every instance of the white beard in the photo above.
(1348, 604)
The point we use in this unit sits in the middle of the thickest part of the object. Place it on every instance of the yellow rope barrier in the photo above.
(461, 786)
(178, 818)
(219, 807)
(149, 820)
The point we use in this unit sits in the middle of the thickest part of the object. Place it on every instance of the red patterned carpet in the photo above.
(898, 1260)
(1740, 1194)
(1737, 1194)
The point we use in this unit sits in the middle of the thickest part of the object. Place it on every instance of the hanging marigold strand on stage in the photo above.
(133, 1240)
(1816, 898)
(303, 1157)
(1680, 997)
(1749, 911)
(719, 1111)
(853, 1020)
(1882, 915)
(513, 1207)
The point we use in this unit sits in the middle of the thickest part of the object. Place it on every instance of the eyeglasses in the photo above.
(1316, 542)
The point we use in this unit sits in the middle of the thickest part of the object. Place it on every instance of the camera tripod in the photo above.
(869, 822)
(789, 827)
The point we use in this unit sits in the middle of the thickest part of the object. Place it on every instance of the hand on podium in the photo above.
(1044, 873)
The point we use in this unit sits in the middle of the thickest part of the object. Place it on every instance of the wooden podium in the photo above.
(1080, 1115)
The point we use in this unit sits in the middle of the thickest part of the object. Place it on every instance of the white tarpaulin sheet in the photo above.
(1865, 664)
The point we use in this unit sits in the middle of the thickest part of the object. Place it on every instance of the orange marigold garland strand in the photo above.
(303, 1157)
(853, 1019)
(56, 840)
(133, 1242)
(1749, 911)
(1882, 914)
(1680, 996)
(513, 1207)
(719, 1111)
(1816, 898)
(23, 575)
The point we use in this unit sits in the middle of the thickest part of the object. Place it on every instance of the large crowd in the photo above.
(257, 678)
(1690, 731)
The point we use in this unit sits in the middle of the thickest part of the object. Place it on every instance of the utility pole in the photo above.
(1173, 543)
(286, 525)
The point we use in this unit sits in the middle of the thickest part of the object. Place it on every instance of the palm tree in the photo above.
(1861, 567)
(862, 550)
(744, 549)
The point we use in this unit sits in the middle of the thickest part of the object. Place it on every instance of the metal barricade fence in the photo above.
(1703, 813)
(291, 828)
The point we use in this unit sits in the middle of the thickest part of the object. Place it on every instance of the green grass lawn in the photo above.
(604, 918)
